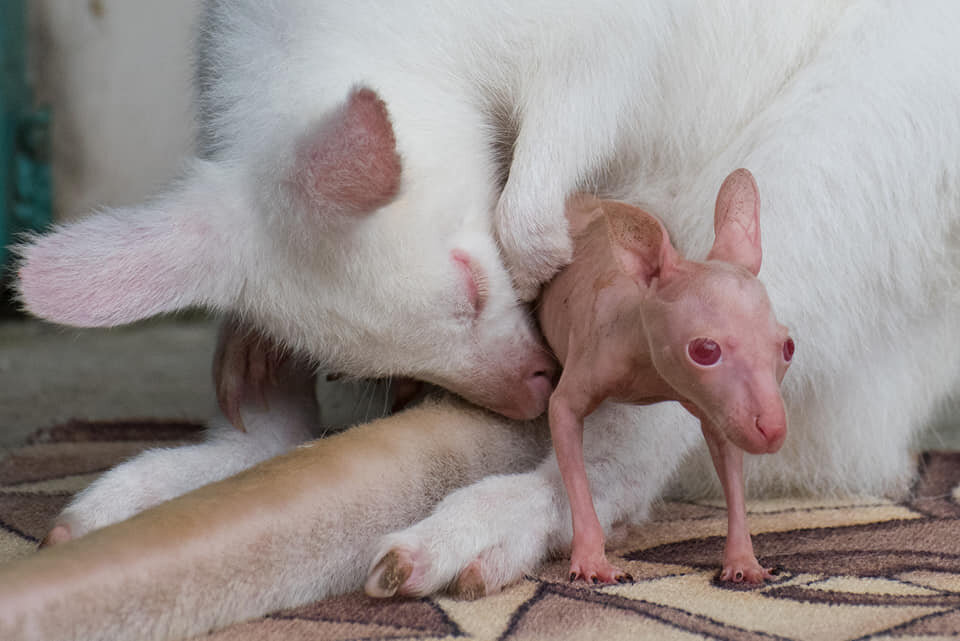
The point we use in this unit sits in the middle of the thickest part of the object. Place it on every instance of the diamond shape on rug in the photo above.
(557, 618)
(770, 612)
(559, 612)
(490, 621)
(420, 616)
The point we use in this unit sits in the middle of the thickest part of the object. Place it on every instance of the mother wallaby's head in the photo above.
(320, 245)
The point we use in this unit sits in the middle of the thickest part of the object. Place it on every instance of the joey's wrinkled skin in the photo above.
(630, 319)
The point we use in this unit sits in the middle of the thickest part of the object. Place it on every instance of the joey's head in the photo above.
(328, 246)
(711, 330)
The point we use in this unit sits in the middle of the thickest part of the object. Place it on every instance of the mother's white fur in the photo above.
(847, 113)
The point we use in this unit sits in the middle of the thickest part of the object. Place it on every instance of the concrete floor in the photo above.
(157, 369)
(161, 369)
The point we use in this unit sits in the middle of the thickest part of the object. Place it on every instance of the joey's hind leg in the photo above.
(283, 414)
(588, 560)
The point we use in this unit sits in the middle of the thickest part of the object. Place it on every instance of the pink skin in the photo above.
(353, 162)
(625, 318)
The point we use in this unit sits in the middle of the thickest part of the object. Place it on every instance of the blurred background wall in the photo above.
(117, 75)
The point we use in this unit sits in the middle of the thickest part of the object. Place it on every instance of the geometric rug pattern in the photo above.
(847, 569)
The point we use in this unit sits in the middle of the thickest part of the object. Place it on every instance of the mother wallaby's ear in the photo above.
(349, 163)
(736, 222)
(119, 266)
(639, 241)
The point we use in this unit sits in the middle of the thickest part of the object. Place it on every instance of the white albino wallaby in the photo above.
(376, 177)
(633, 321)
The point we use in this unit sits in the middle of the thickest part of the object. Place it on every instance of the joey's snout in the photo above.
(761, 431)
(771, 431)
(755, 415)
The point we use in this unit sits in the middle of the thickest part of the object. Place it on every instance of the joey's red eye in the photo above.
(704, 351)
(788, 348)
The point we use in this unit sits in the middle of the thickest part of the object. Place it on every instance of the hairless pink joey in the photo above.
(634, 322)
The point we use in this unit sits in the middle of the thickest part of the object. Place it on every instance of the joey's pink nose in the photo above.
(772, 433)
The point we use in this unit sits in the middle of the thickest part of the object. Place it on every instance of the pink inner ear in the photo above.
(639, 241)
(352, 162)
(736, 222)
(109, 270)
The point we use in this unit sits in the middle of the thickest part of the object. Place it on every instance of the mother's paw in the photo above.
(390, 574)
(59, 533)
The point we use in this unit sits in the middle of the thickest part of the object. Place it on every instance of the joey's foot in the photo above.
(744, 569)
(596, 571)
(60, 533)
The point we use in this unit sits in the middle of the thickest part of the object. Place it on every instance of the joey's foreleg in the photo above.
(588, 559)
(739, 561)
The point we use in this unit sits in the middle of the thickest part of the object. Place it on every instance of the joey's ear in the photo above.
(349, 163)
(639, 241)
(119, 266)
(736, 222)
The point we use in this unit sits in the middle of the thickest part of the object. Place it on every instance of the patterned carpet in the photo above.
(848, 569)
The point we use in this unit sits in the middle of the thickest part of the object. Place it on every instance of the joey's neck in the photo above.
(591, 307)
(644, 386)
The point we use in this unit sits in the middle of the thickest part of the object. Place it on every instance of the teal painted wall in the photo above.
(25, 185)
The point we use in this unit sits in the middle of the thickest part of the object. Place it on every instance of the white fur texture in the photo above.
(272, 537)
(847, 113)
(511, 523)
(289, 418)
